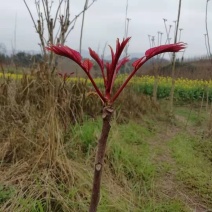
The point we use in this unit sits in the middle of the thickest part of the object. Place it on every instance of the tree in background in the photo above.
(53, 26)
(174, 60)
(3, 54)
(24, 59)
(207, 39)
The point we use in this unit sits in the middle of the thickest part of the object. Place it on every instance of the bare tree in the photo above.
(53, 26)
(207, 40)
(174, 59)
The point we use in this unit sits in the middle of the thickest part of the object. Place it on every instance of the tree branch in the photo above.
(31, 15)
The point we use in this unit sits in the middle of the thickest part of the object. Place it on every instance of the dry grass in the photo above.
(34, 115)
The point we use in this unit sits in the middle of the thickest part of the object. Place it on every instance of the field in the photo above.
(185, 89)
(154, 161)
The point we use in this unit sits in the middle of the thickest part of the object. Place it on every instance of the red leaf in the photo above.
(164, 48)
(60, 74)
(112, 55)
(96, 57)
(87, 64)
(66, 52)
(121, 62)
(137, 63)
(120, 47)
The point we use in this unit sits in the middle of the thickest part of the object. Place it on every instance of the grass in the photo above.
(5, 193)
(130, 156)
(194, 170)
(128, 181)
(191, 114)
(166, 206)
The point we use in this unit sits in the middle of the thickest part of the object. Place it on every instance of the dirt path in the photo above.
(166, 185)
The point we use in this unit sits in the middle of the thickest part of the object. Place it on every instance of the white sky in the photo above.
(105, 22)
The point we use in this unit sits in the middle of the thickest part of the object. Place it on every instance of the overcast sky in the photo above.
(105, 21)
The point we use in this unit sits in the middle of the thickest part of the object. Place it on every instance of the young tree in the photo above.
(109, 72)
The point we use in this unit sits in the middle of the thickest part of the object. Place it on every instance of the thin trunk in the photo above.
(201, 106)
(82, 26)
(173, 62)
(106, 116)
(126, 28)
(155, 87)
(207, 34)
(207, 95)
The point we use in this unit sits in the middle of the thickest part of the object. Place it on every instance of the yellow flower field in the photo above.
(185, 89)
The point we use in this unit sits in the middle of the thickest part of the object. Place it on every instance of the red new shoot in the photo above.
(110, 69)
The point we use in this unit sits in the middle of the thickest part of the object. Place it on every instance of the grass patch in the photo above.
(5, 193)
(128, 146)
(166, 206)
(191, 115)
(205, 146)
(194, 170)
(83, 137)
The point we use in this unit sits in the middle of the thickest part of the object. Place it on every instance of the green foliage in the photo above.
(5, 193)
(30, 204)
(82, 138)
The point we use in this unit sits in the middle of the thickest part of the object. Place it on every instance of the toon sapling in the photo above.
(109, 71)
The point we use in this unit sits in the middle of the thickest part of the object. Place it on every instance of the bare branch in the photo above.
(44, 8)
(206, 44)
(77, 16)
(46, 20)
(58, 9)
(31, 15)
(82, 25)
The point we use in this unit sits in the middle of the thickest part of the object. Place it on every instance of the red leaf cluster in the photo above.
(109, 70)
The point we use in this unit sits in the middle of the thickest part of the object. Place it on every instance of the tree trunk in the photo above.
(155, 87)
(106, 116)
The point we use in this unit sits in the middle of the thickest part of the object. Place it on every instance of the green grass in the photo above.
(192, 116)
(129, 153)
(194, 170)
(205, 146)
(166, 206)
(133, 172)
(29, 204)
(84, 136)
(5, 193)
